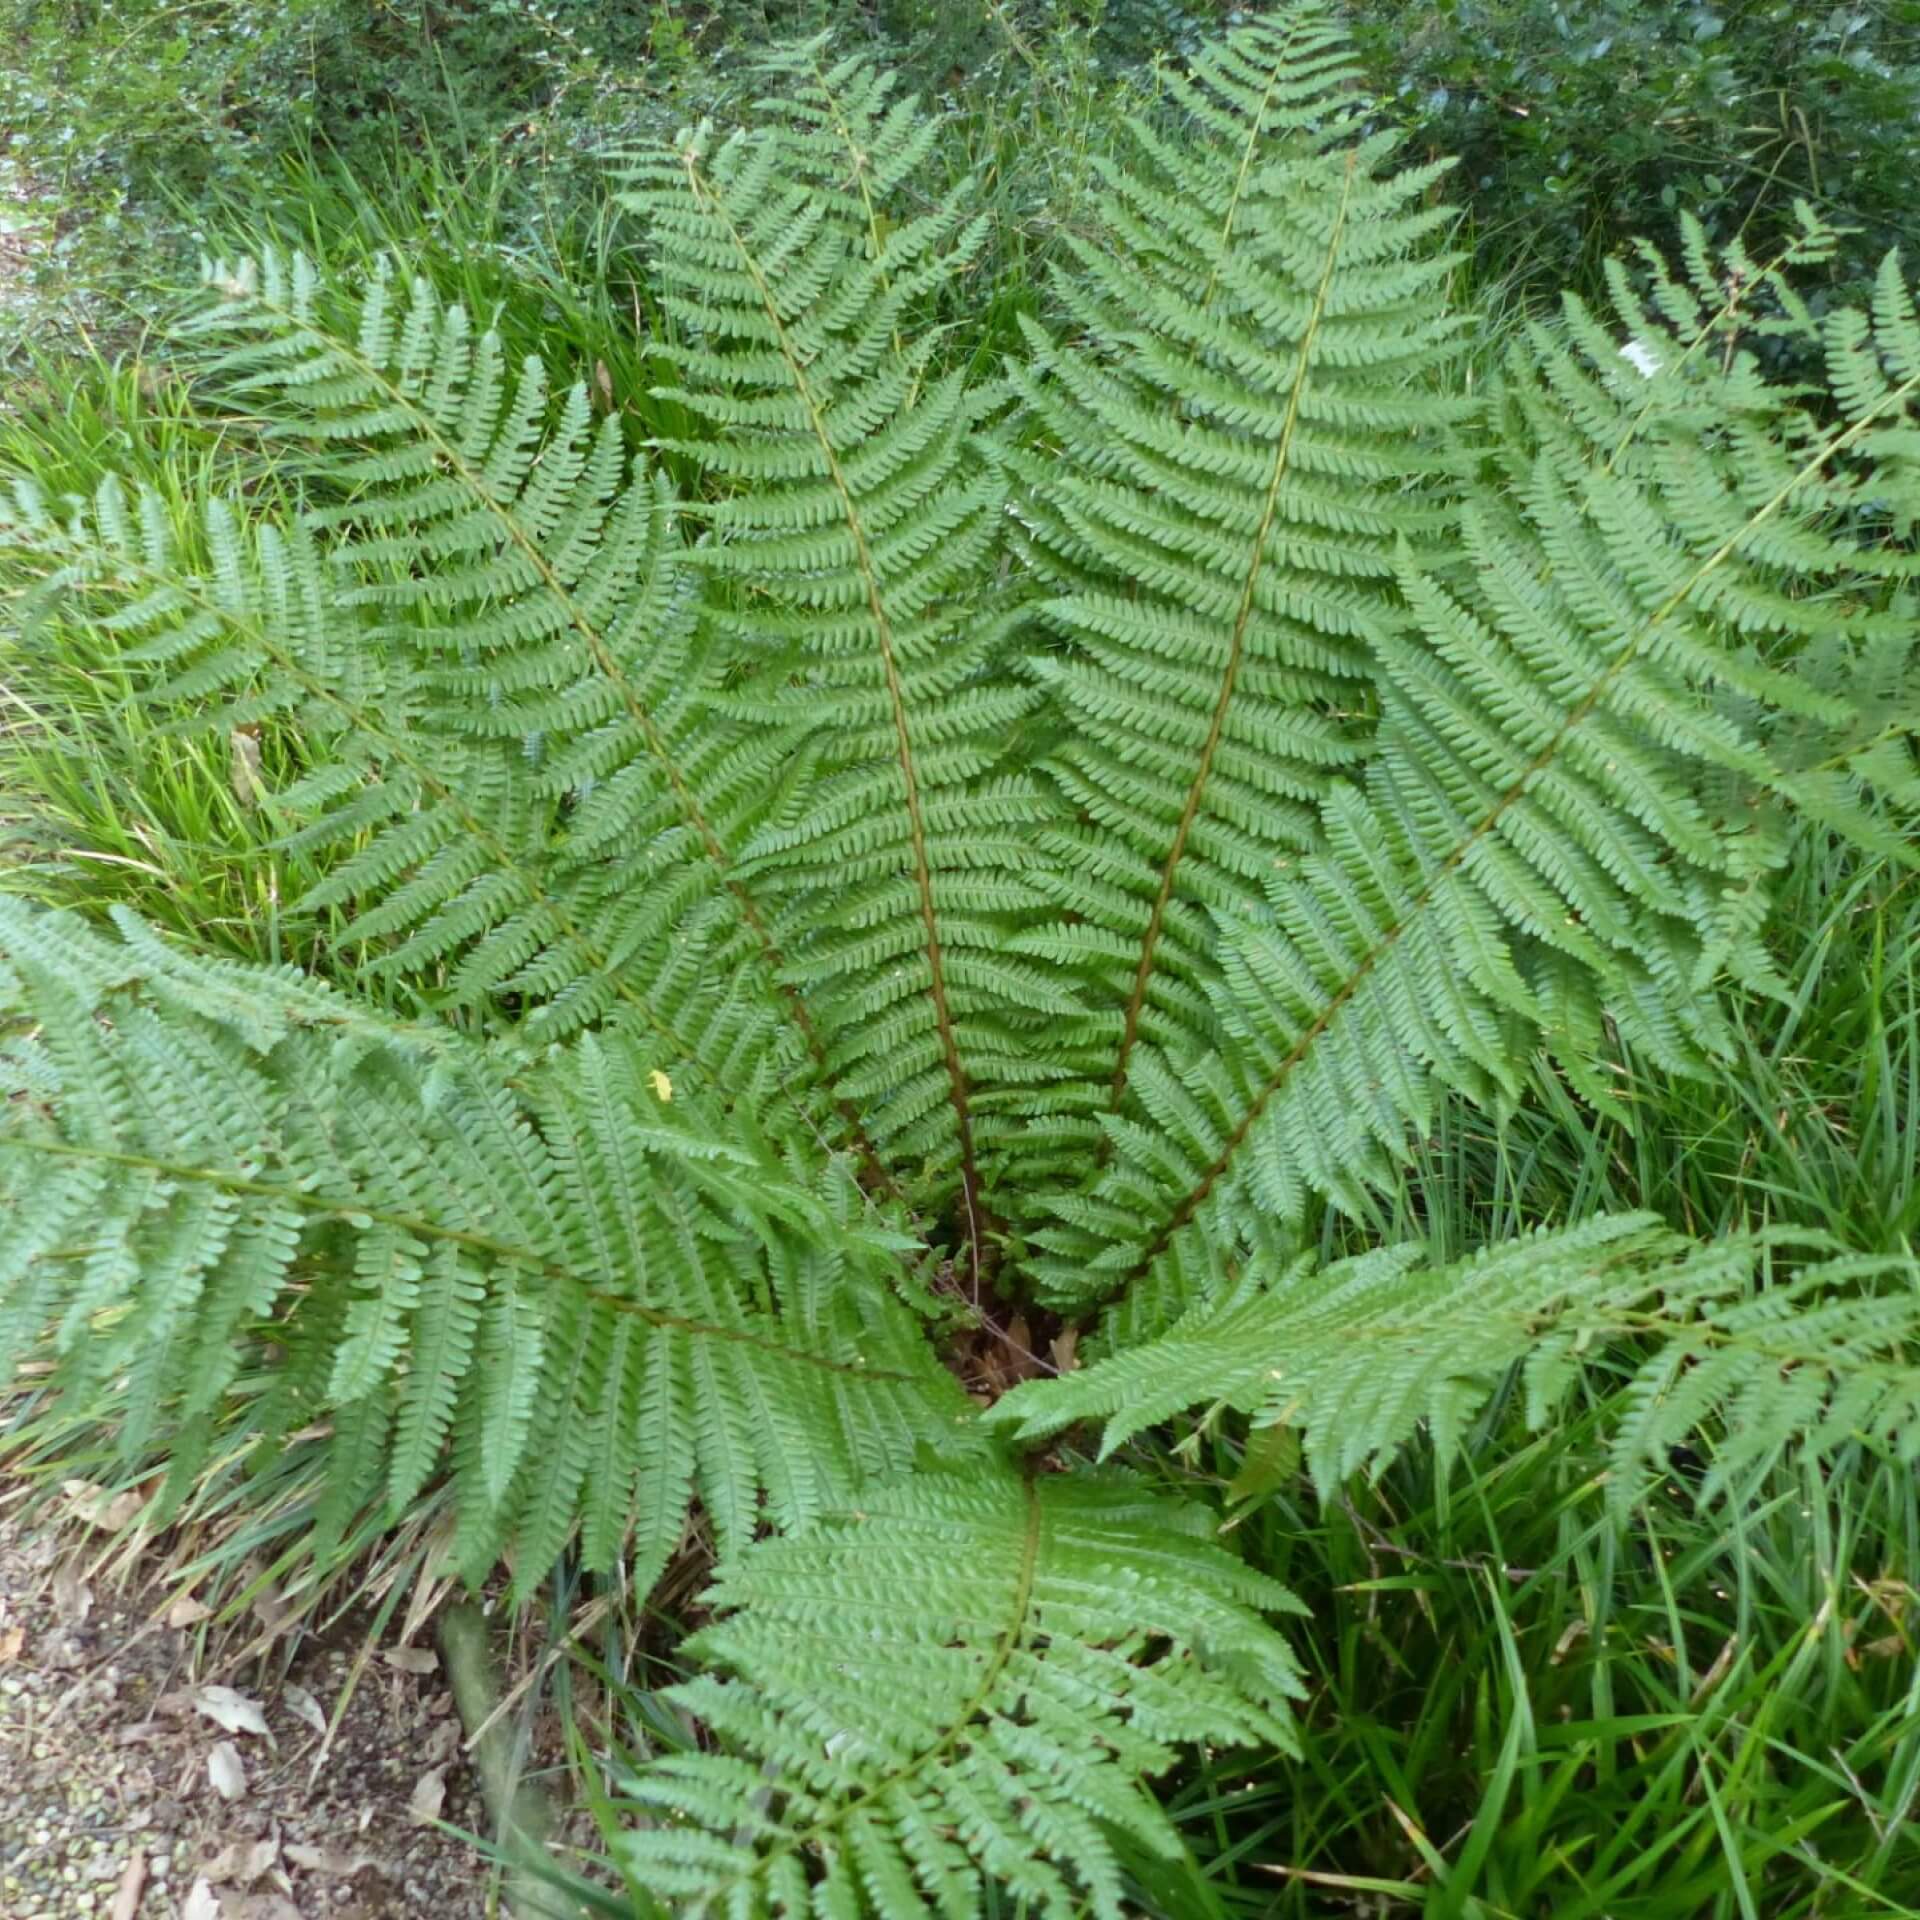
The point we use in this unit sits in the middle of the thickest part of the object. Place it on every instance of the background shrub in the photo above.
(1580, 123)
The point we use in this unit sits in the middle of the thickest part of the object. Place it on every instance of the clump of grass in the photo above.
(103, 803)
(1814, 1124)
(1518, 1709)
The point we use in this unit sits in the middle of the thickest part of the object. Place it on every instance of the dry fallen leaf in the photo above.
(243, 1863)
(429, 1796)
(126, 1896)
(232, 1712)
(61, 1652)
(201, 1904)
(303, 1706)
(93, 1504)
(124, 1509)
(72, 1597)
(331, 1861)
(412, 1659)
(272, 1609)
(227, 1771)
(259, 1906)
(12, 1642)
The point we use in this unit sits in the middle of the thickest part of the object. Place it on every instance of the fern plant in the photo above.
(931, 865)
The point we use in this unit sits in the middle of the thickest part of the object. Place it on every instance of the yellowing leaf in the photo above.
(1271, 1460)
(243, 765)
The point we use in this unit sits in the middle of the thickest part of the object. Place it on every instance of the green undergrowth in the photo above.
(1578, 126)
(1516, 1705)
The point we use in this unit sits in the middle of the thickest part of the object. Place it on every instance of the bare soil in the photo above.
(141, 1781)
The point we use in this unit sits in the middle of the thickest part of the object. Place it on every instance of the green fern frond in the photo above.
(522, 784)
(1358, 1356)
(850, 560)
(1592, 744)
(963, 1681)
(541, 1288)
(1243, 425)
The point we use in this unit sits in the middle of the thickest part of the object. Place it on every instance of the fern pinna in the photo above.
(930, 854)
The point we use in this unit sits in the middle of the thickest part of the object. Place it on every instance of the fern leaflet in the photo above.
(964, 1680)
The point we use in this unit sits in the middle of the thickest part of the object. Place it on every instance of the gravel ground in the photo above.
(136, 1784)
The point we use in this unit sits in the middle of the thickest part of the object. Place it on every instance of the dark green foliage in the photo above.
(909, 859)
(128, 101)
(137, 127)
(1581, 124)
